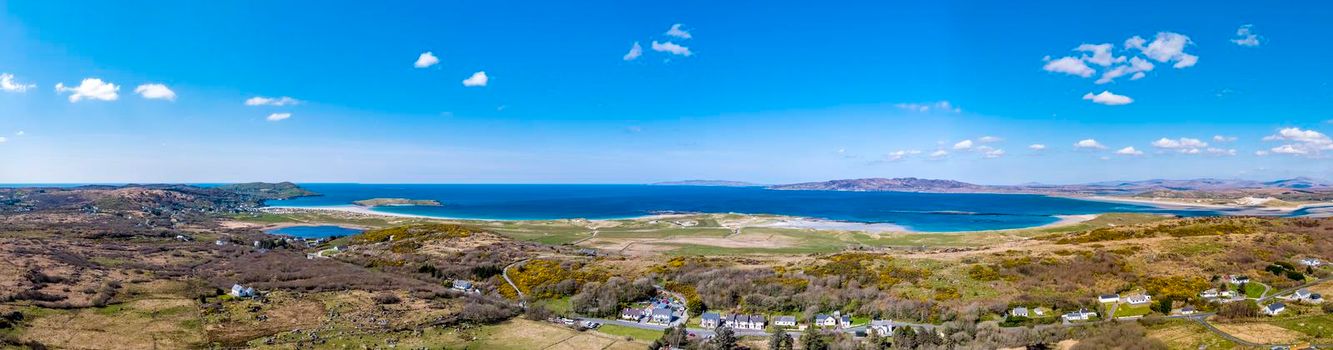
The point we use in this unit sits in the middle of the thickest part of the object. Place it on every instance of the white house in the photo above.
(1209, 294)
(757, 322)
(220, 242)
(1188, 310)
(785, 321)
(661, 315)
(1080, 315)
(1108, 298)
(1019, 312)
(882, 328)
(1305, 295)
(1274, 309)
(709, 320)
(240, 291)
(635, 315)
(1138, 299)
(463, 285)
(1238, 279)
(1312, 262)
(823, 320)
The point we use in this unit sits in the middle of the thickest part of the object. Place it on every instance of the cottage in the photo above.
(661, 315)
(1019, 312)
(240, 291)
(462, 285)
(1138, 299)
(785, 321)
(709, 320)
(757, 322)
(1080, 315)
(882, 328)
(1209, 294)
(845, 321)
(1274, 309)
(1108, 298)
(822, 320)
(220, 242)
(1305, 295)
(1312, 262)
(1188, 310)
(1226, 294)
(635, 315)
(1238, 279)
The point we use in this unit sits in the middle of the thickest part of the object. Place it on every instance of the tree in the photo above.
(725, 338)
(813, 339)
(1163, 306)
(904, 338)
(780, 340)
(671, 337)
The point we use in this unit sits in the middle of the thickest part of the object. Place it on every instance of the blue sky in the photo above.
(769, 92)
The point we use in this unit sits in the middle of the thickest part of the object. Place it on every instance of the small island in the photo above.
(384, 202)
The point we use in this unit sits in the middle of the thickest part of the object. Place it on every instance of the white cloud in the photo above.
(90, 88)
(1135, 68)
(278, 116)
(1245, 36)
(1068, 65)
(1129, 151)
(1036, 147)
(477, 79)
(964, 144)
(8, 84)
(155, 92)
(939, 154)
(426, 59)
(928, 106)
(1089, 144)
(994, 153)
(1108, 98)
(1101, 54)
(271, 101)
(672, 48)
(1301, 142)
(634, 52)
(20, 133)
(1166, 47)
(989, 139)
(1261, 153)
(1221, 138)
(679, 33)
(899, 155)
(3, 139)
(1182, 145)
(1220, 151)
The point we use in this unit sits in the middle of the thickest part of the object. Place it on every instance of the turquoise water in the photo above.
(933, 212)
(321, 231)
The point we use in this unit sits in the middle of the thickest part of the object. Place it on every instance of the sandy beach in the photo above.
(1233, 209)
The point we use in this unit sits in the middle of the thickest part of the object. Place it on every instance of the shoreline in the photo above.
(782, 221)
(1228, 209)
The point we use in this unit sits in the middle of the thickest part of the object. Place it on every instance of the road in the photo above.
(505, 274)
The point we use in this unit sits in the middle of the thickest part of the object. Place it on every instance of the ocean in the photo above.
(928, 212)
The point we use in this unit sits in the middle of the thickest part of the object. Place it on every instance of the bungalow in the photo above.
(1108, 298)
(463, 285)
(1226, 294)
(1138, 299)
(1019, 312)
(241, 291)
(845, 321)
(1311, 262)
(1306, 296)
(1238, 279)
(822, 320)
(635, 315)
(882, 328)
(785, 321)
(709, 320)
(1080, 315)
(1274, 309)
(1188, 310)
(1209, 294)
(220, 242)
(757, 322)
(661, 315)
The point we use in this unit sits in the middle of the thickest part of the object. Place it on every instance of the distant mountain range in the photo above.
(1195, 188)
(720, 183)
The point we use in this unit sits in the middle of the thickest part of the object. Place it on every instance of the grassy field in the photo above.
(1188, 335)
(1319, 327)
(1254, 290)
(1126, 310)
(644, 335)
